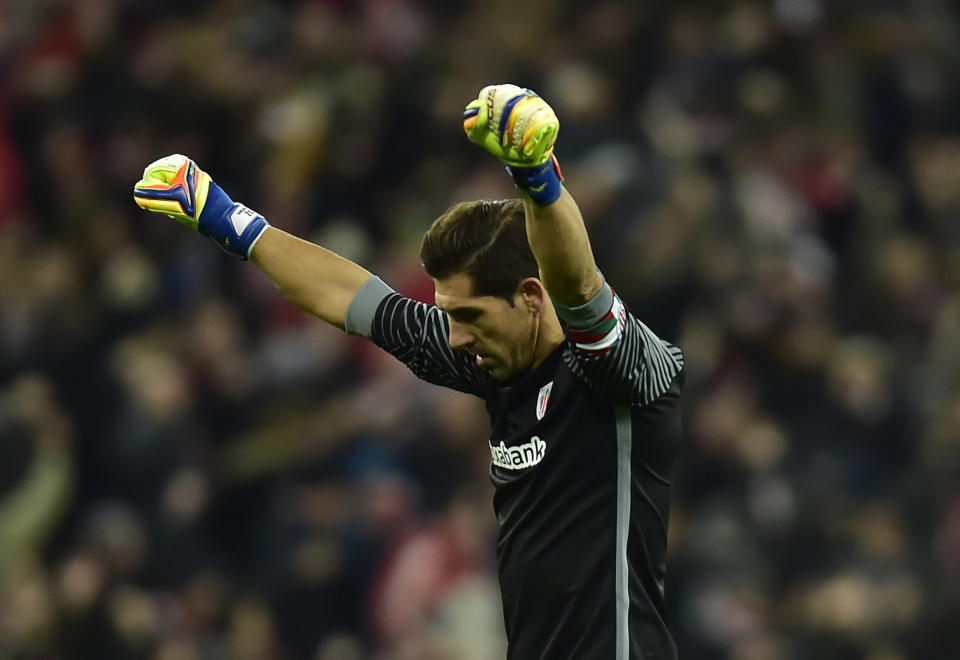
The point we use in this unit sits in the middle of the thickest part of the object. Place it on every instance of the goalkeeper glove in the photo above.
(176, 186)
(519, 128)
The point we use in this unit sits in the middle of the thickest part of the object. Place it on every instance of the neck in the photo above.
(549, 335)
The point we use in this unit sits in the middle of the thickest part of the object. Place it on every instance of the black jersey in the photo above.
(581, 451)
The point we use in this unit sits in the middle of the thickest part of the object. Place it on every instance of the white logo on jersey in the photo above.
(522, 456)
(241, 218)
(542, 400)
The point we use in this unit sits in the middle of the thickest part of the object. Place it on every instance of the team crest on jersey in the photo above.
(543, 399)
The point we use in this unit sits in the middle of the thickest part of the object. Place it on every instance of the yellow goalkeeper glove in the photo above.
(174, 185)
(519, 128)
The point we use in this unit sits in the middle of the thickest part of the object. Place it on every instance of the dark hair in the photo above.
(486, 240)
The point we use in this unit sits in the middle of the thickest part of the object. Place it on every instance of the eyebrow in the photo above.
(461, 309)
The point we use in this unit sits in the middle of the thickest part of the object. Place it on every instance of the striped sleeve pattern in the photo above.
(417, 334)
(621, 357)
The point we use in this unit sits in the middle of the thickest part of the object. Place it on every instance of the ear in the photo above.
(532, 295)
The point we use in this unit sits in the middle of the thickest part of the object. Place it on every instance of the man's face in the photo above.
(502, 337)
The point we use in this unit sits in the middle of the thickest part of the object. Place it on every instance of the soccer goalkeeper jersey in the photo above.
(581, 452)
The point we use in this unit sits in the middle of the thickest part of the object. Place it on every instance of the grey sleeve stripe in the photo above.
(364, 305)
(622, 571)
(589, 313)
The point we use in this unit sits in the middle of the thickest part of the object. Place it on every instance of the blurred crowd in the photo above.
(191, 468)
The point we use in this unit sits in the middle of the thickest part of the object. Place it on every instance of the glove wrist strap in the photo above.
(232, 226)
(542, 184)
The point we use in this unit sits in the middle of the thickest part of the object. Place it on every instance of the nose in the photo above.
(459, 335)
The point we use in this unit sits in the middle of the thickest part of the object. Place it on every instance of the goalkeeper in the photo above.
(583, 398)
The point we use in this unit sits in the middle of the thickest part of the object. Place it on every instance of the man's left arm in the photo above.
(560, 243)
(612, 350)
(519, 128)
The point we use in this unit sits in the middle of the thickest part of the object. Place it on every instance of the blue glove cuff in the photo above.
(542, 184)
(232, 226)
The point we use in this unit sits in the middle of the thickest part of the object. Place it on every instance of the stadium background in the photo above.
(192, 468)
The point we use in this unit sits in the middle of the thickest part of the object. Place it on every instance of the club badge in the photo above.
(543, 399)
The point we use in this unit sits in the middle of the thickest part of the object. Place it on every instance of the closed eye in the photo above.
(464, 315)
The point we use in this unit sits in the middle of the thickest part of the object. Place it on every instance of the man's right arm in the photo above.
(312, 277)
(315, 279)
(340, 292)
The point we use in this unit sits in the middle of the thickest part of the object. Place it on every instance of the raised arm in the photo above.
(313, 278)
(519, 128)
(560, 243)
(609, 348)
